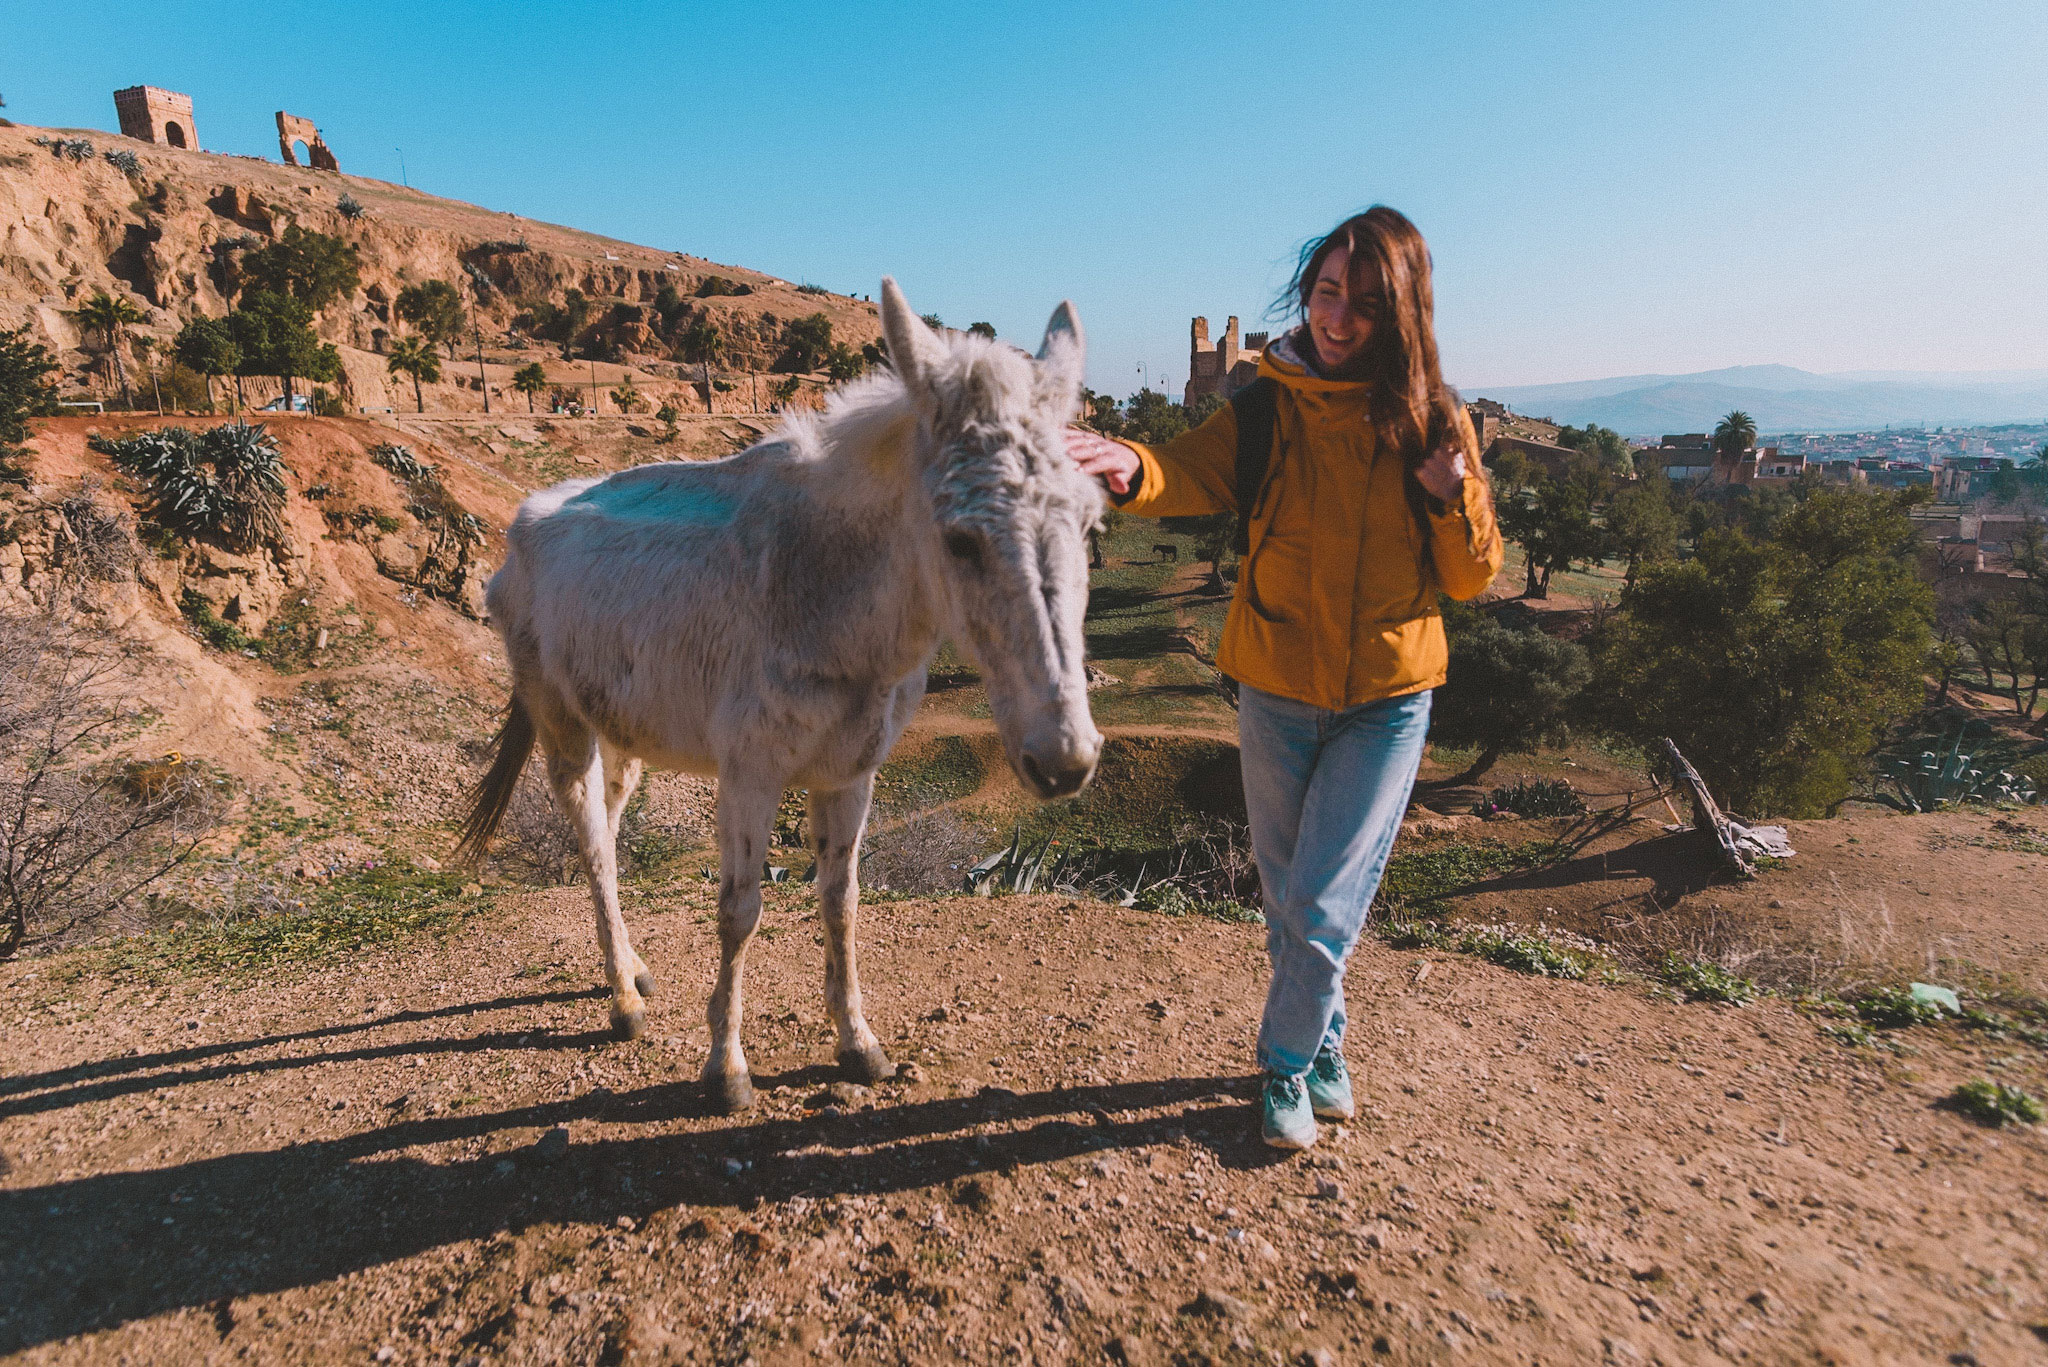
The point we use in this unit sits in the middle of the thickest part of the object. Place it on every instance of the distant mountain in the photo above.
(1784, 399)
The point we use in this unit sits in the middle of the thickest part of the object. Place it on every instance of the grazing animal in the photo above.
(1166, 550)
(769, 617)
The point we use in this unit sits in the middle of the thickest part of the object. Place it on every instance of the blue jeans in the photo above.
(1325, 792)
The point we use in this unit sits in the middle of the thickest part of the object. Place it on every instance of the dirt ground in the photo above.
(365, 1161)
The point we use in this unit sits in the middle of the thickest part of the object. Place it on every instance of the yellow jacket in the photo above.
(1335, 605)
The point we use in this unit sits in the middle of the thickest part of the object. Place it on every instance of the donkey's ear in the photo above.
(1063, 354)
(913, 350)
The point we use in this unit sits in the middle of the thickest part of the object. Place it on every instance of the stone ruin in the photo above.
(293, 129)
(163, 117)
(1220, 368)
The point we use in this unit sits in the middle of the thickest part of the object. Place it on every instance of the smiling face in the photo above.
(1338, 324)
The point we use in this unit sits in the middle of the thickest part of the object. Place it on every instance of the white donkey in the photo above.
(768, 618)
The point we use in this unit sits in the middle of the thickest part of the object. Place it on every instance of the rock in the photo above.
(1760, 1299)
(844, 1094)
(1326, 1190)
(552, 1146)
(1213, 1304)
(1316, 1357)
(909, 1072)
(703, 1227)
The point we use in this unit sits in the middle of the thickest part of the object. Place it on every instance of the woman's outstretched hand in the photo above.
(1443, 474)
(1112, 462)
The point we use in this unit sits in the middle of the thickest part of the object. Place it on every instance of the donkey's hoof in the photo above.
(733, 1093)
(628, 1024)
(866, 1065)
(643, 983)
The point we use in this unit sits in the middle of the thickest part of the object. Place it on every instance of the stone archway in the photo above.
(174, 134)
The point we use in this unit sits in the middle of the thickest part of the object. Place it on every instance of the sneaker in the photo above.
(1287, 1120)
(1329, 1087)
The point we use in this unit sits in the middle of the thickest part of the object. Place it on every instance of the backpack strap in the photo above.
(1257, 409)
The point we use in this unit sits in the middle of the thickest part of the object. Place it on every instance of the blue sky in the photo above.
(1608, 188)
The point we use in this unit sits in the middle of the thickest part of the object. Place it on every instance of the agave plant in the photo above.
(351, 208)
(1946, 778)
(400, 461)
(124, 161)
(1017, 867)
(248, 470)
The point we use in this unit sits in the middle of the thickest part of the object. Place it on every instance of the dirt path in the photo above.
(348, 1163)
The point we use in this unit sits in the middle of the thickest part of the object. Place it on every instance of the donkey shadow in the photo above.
(101, 1251)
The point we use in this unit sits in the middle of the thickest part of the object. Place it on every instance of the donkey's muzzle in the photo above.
(1062, 779)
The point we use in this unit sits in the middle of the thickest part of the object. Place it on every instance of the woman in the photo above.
(1372, 504)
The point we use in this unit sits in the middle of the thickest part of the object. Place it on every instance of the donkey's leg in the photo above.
(576, 773)
(746, 818)
(621, 777)
(837, 819)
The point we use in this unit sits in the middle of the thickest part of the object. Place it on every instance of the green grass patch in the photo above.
(944, 771)
(1419, 877)
(361, 910)
(1895, 1008)
(1995, 1103)
(1701, 981)
(1524, 951)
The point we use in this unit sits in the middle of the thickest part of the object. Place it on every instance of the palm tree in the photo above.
(530, 380)
(700, 345)
(1735, 434)
(415, 356)
(111, 316)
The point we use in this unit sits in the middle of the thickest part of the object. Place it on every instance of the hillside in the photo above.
(1782, 399)
(167, 235)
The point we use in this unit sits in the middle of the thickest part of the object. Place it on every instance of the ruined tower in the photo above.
(290, 129)
(1220, 368)
(159, 116)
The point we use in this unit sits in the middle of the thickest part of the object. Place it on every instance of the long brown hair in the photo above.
(1411, 404)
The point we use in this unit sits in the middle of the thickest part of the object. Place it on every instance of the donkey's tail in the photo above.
(491, 797)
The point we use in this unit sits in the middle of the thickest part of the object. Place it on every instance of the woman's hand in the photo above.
(1112, 462)
(1443, 474)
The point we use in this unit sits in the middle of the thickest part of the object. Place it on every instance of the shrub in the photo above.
(1510, 690)
(1894, 1008)
(400, 461)
(1995, 1103)
(1701, 981)
(350, 207)
(97, 543)
(812, 289)
(1533, 797)
(1524, 952)
(226, 482)
(926, 854)
(124, 161)
(75, 843)
(712, 286)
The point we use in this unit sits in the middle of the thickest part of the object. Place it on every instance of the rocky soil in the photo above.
(432, 1153)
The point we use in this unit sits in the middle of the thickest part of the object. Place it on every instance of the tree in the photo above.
(415, 356)
(987, 330)
(1514, 471)
(1153, 418)
(435, 311)
(1102, 412)
(1510, 689)
(1642, 524)
(1734, 434)
(1776, 665)
(24, 393)
(1211, 533)
(1607, 447)
(700, 345)
(275, 334)
(627, 397)
(313, 268)
(207, 346)
(1554, 526)
(806, 343)
(530, 380)
(111, 315)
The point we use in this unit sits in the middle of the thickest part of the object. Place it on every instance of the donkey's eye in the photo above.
(964, 547)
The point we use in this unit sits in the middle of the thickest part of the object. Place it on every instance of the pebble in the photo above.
(1328, 1191)
(552, 1146)
(1317, 1357)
